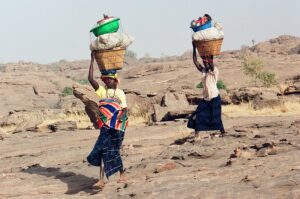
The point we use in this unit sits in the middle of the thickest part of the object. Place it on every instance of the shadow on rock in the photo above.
(76, 182)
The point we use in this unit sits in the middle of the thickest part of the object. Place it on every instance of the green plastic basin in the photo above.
(109, 27)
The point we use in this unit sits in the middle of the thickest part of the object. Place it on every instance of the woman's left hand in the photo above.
(194, 45)
(123, 115)
(120, 117)
(93, 55)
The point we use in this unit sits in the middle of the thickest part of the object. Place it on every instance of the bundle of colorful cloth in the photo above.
(206, 29)
(201, 23)
(109, 111)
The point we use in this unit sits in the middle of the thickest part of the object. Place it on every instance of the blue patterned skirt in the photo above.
(207, 116)
(107, 150)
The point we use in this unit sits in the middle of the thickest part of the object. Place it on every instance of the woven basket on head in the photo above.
(110, 59)
(212, 47)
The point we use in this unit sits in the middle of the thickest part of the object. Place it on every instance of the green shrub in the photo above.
(67, 91)
(81, 81)
(2, 68)
(268, 79)
(253, 66)
(131, 54)
(220, 85)
(54, 67)
(200, 85)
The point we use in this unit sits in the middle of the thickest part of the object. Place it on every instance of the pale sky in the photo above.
(50, 30)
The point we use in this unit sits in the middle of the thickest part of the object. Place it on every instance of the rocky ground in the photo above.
(259, 158)
(46, 132)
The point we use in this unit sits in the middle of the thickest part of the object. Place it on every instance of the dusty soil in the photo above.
(265, 164)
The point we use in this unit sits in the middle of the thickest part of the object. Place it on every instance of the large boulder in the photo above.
(193, 96)
(16, 122)
(283, 88)
(159, 113)
(63, 126)
(244, 95)
(138, 106)
(268, 99)
(174, 105)
(40, 120)
(90, 100)
(291, 86)
(259, 97)
(225, 97)
(174, 100)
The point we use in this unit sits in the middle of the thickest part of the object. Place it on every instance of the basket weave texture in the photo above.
(212, 47)
(110, 59)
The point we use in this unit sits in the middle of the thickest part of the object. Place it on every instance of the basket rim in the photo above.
(208, 40)
(121, 49)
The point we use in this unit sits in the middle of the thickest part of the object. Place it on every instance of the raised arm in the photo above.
(208, 62)
(195, 60)
(211, 62)
(94, 83)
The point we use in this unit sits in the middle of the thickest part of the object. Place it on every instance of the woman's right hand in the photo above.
(91, 72)
(195, 60)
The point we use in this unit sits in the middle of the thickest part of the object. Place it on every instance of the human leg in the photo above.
(123, 177)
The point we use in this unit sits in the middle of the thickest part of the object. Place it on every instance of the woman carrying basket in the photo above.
(207, 116)
(112, 120)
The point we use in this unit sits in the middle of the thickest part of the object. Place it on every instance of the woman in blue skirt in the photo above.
(112, 119)
(207, 116)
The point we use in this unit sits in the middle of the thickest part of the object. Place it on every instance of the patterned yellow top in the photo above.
(102, 92)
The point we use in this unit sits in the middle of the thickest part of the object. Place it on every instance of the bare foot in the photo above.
(123, 179)
(99, 185)
(223, 134)
(202, 136)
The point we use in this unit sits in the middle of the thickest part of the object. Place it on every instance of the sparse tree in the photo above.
(2, 68)
(147, 55)
(253, 66)
(131, 54)
(244, 51)
(62, 61)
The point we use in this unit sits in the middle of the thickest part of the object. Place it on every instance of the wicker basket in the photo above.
(110, 59)
(212, 47)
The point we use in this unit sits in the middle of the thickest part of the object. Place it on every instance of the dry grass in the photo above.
(183, 132)
(139, 114)
(7, 128)
(43, 118)
(133, 120)
(286, 109)
(81, 118)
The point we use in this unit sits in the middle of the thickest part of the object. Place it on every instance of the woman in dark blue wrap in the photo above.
(113, 121)
(207, 116)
